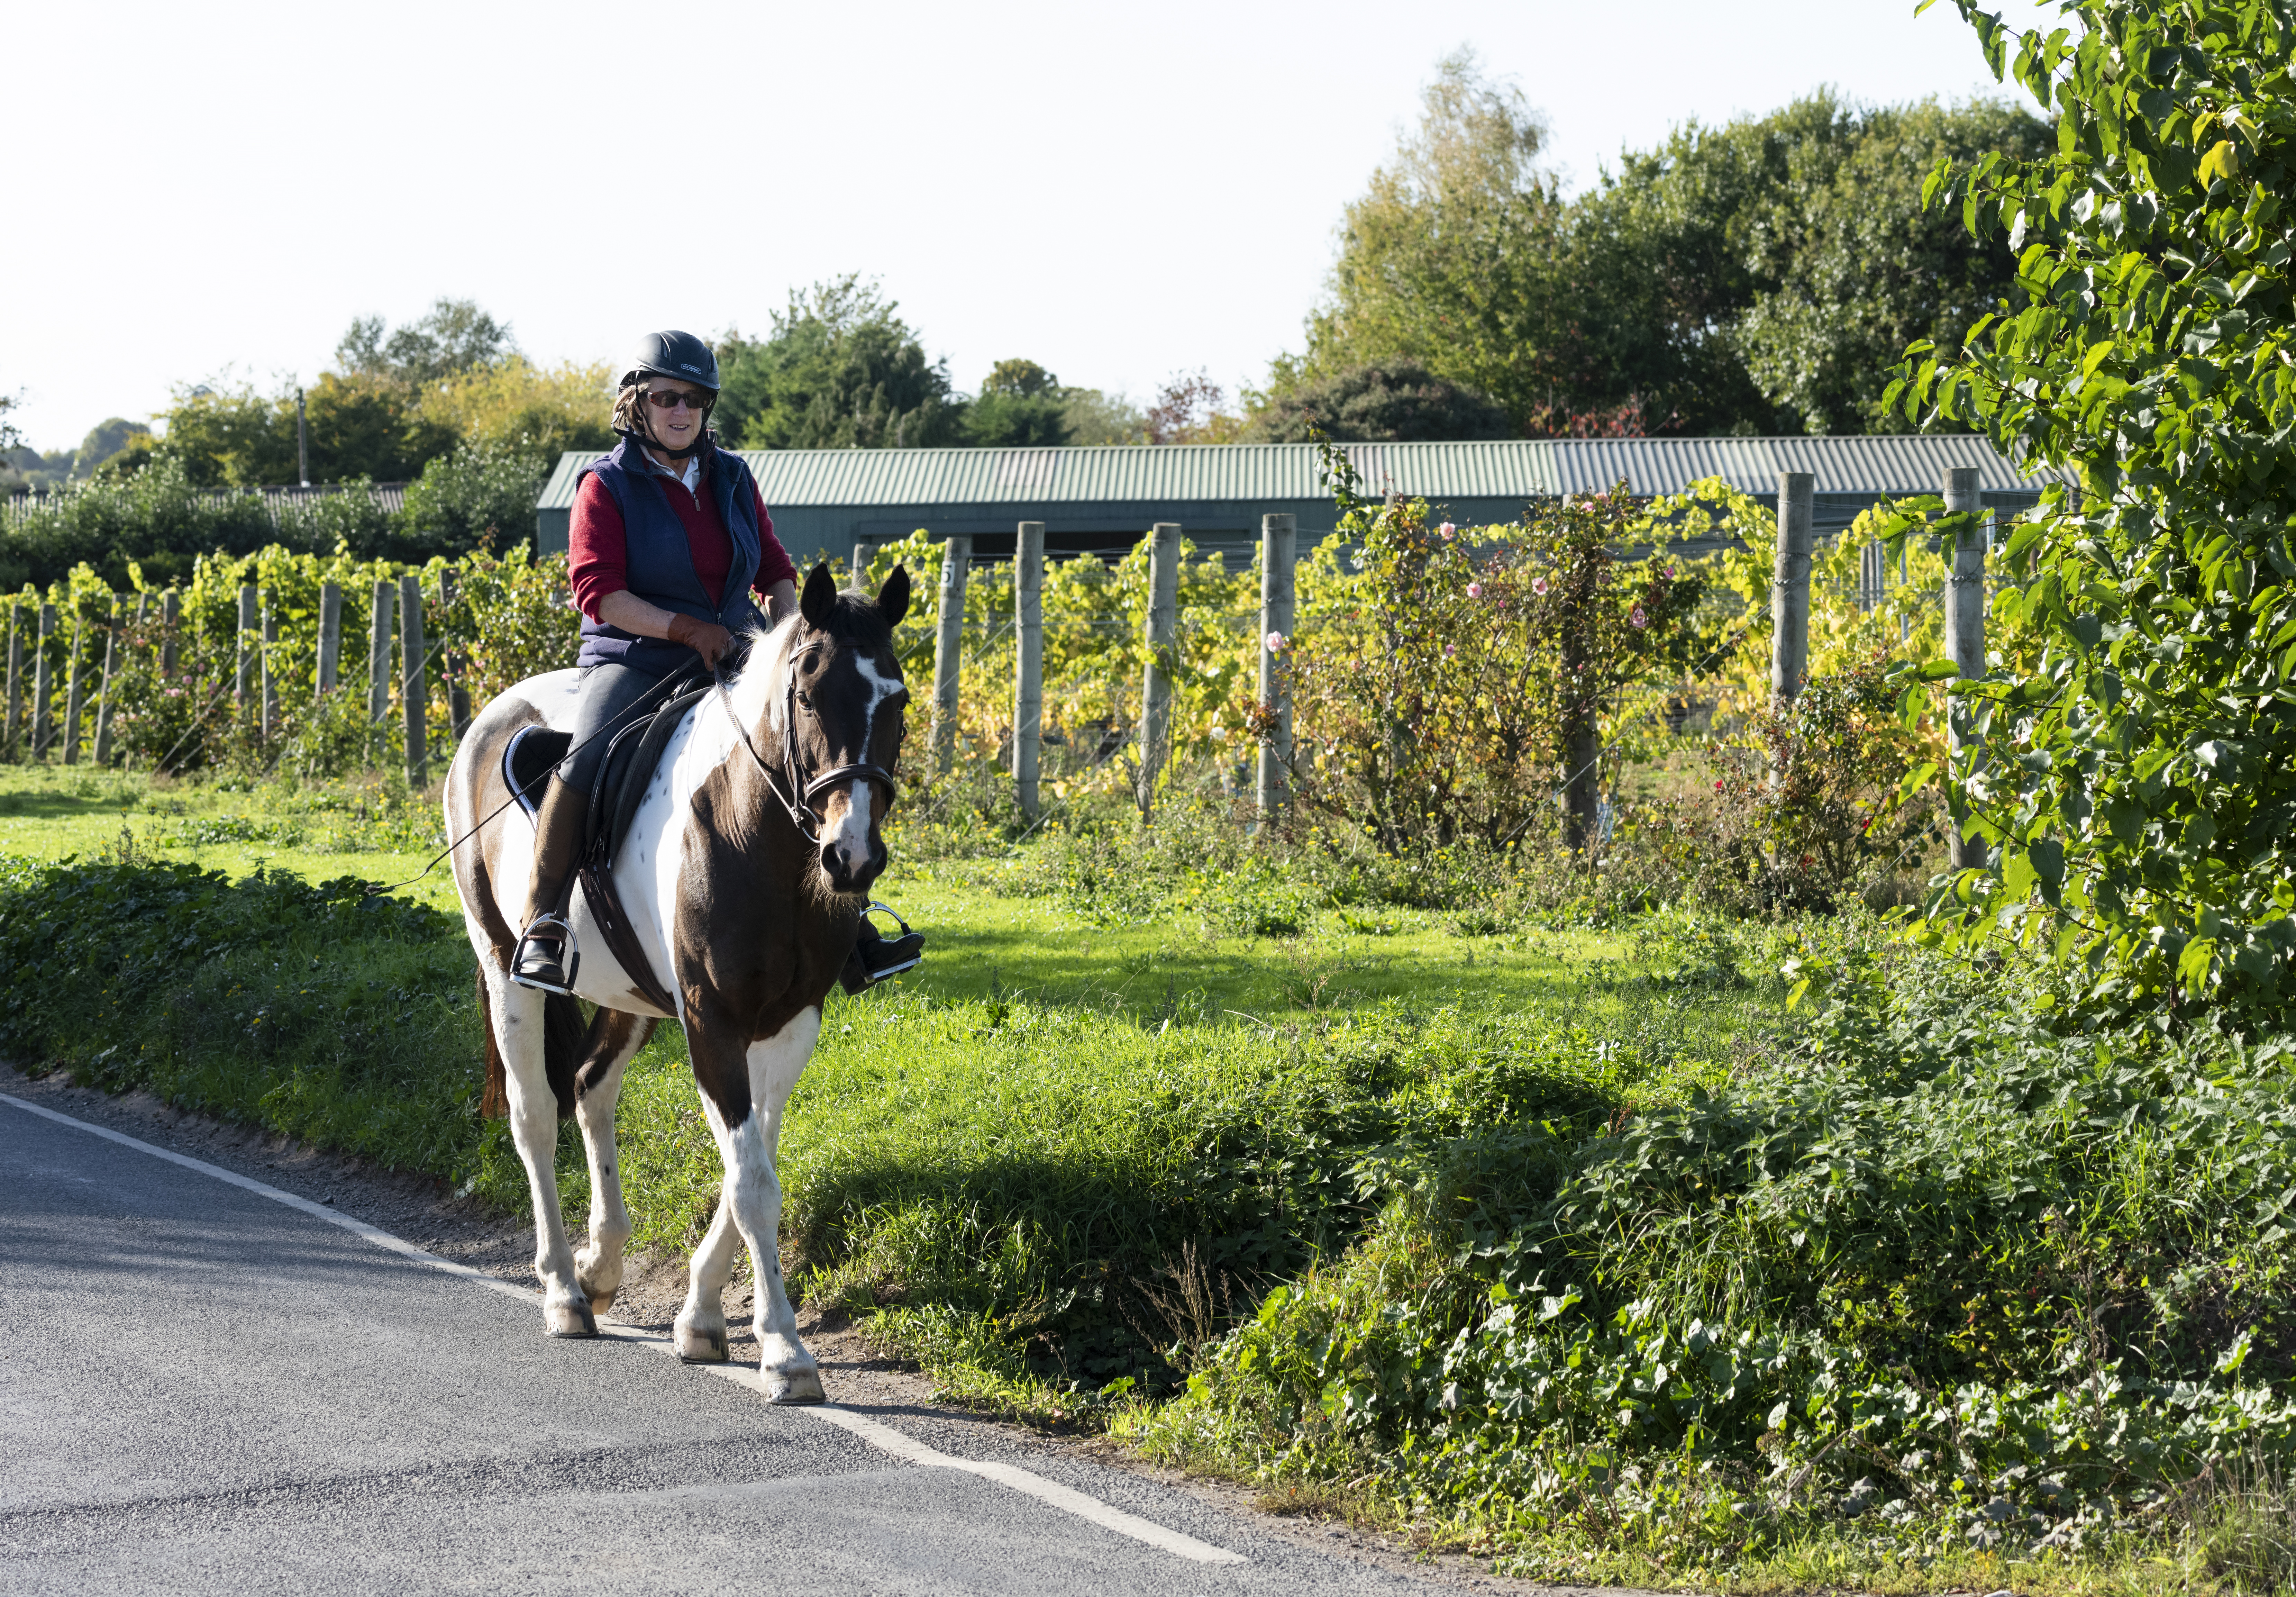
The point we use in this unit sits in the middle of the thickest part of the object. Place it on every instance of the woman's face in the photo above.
(676, 425)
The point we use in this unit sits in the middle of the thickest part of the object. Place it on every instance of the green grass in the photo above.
(1467, 1207)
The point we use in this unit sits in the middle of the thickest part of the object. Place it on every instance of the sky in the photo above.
(1118, 194)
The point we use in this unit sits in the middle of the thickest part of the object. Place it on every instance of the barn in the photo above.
(1101, 501)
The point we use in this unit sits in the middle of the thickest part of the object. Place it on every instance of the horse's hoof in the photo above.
(599, 1302)
(572, 1319)
(702, 1346)
(793, 1386)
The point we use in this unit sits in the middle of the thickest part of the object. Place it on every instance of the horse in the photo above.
(743, 878)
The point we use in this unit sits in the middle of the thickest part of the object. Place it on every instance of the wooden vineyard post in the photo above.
(43, 730)
(330, 636)
(378, 657)
(15, 724)
(415, 695)
(75, 688)
(171, 612)
(1965, 637)
(458, 691)
(1028, 663)
(1279, 537)
(1789, 586)
(103, 695)
(864, 550)
(948, 650)
(269, 670)
(1162, 633)
(243, 684)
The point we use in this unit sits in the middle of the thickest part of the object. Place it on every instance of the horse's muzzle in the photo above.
(847, 874)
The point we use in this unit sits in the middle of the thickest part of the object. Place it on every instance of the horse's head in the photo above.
(847, 710)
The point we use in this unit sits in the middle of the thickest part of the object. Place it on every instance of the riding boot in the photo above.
(876, 956)
(558, 833)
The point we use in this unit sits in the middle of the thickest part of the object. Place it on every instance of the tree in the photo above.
(2132, 770)
(1190, 409)
(543, 411)
(105, 441)
(839, 370)
(1758, 276)
(1394, 401)
(359, 426)
(1021, 404)
(10, 438)
(453, 337)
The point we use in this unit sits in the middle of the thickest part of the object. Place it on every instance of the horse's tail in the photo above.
(563, 1036)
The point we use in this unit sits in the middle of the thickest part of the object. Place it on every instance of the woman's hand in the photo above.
(705, 638)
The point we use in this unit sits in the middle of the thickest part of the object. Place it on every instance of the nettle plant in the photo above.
(2138, 782)
(1454, 684)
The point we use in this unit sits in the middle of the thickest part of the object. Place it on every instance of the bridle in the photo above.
(798, 795)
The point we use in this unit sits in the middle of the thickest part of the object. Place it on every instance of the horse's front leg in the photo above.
(615, 1039)
(516, 1015)
(748, 1089)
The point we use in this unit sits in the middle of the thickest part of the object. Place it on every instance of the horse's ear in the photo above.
(818, 602)
(893, 599)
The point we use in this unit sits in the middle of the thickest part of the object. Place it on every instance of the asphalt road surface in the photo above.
(204, 1389)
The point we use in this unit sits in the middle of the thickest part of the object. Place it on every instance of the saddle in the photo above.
(623, 776)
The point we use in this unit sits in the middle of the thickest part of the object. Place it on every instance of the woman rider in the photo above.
(670, 539)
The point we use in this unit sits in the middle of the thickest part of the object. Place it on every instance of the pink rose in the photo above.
(1474, 590)
(1538, 585)
(1449, 649)
(1638, 618)
(1277, 643)
(1446, 529)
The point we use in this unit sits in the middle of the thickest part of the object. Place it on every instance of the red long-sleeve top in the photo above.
(598, 543)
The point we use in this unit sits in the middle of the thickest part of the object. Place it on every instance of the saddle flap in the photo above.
(529, 758)
(630, 774)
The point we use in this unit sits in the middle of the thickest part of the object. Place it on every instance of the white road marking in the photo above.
(879, 1436)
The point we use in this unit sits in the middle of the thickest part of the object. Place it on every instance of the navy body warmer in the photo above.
(660, 569)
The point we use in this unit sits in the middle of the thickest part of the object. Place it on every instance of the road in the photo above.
(205, 1389)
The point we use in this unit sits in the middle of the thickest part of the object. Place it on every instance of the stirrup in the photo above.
(856, 978)
(569, 955)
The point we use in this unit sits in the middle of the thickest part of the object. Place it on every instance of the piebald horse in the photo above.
(744, 876)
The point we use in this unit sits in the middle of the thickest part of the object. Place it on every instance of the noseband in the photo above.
(798, 794)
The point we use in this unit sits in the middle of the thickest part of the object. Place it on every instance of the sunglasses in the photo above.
(671, 399)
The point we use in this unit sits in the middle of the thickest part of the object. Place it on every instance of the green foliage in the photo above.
(1396, 401)
(1933, 1265)
(360, 425)
(1022, 405)
(319, 1011)
(2130, 765)
(1455, 687)
(477, 495)
(840, 369)
(1756, 277)
(452, 338)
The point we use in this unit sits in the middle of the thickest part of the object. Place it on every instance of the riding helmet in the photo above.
(673, 354)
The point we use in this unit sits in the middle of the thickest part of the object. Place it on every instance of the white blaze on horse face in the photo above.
(849, 840)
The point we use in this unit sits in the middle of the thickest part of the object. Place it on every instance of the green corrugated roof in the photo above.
(1511, 469)
(1117, 474)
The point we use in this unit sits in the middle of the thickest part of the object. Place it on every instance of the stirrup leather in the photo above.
(569, 956)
